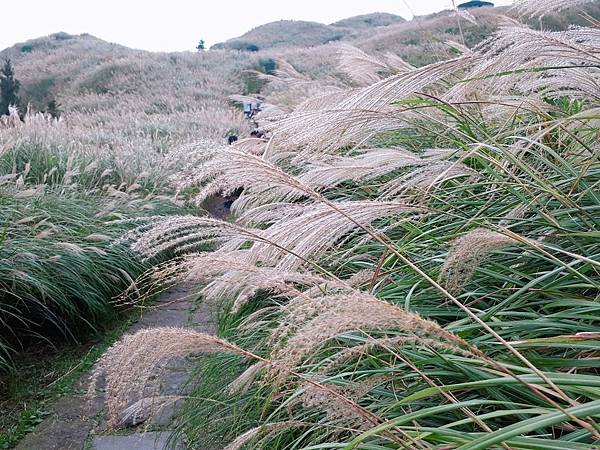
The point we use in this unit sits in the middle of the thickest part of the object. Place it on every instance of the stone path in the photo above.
(78, 424)
(140, 441)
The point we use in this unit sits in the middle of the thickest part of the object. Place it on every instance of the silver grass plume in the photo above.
(279, 246)
(243, 382)
(359, 114)
(265, 214)
(286, 73)
(254, 146)
(337, 412)
(322, 101)
(539, 8)
(310, 303)
(332, 127)
(461, 48)
(262, 180)
(466, 256)
(288, 98)
(262, 431)
(324, 225)
(402, 86)
(368, 165)
(130, 364)
(425, 177)
(583, 84)
(366, 69)
(313, 322)
(185, 234)
(510, 61)
(501, 107)
(231, 275)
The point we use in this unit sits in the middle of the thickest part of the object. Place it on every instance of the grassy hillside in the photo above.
(126, 118)
(161, 99)
(419, 41)
(297, 33)
(369, 21)
(423, 40)
(285, 33)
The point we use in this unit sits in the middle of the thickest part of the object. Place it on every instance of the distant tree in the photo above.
(201, 45)
(9, 88)
(53, 109)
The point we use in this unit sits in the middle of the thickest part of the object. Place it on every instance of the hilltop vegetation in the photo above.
(284, 33)
(369, 21)
(297, 33)
(153, 100)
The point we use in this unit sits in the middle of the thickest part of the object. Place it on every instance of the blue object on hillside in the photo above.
(474, 4)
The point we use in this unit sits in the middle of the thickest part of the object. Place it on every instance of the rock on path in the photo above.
(76, 421)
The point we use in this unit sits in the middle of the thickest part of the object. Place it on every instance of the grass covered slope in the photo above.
(59, 264)
(298, 33)
(369, 20)
(414, 261)
(126, 118)
(118, 97)
(284, 33)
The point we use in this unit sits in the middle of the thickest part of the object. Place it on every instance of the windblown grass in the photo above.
(59, 269)
(516, 246)
(441, 295)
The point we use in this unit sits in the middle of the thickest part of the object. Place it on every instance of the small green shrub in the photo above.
(268, 65)
(243, 46)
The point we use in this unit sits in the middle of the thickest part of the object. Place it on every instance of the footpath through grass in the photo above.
(42, 377)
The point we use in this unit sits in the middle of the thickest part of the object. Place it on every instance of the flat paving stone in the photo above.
(138, 441)
(66, 429)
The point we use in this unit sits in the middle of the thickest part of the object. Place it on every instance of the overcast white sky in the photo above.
(171, 25)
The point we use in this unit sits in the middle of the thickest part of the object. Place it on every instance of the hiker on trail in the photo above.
(256, 108)
(231, 139)
(248, 110)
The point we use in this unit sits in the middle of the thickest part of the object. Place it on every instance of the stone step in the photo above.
(138, 441)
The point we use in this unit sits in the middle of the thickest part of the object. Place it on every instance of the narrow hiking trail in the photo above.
(78, 422)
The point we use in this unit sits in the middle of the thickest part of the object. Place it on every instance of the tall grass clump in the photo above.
(58, 270)
(438, 293)
(62, 205)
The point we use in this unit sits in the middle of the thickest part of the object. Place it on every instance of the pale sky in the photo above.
(174, 25)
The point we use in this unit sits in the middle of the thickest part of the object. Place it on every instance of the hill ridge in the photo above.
(307, 33)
